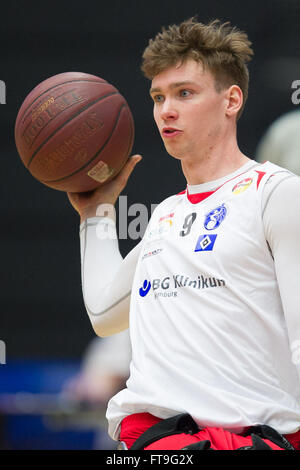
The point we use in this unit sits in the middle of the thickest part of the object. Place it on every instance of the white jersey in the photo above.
(207, 326)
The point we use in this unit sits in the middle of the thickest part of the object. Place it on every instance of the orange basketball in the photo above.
(74, 132)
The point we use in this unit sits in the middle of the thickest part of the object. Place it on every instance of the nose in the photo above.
(168, 111)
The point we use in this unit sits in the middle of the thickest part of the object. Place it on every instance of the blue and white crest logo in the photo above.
(206, 242)
(215, 217)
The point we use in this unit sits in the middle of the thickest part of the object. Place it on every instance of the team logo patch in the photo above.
(205, 242)
(143, 291)
(164, 225)
(167, 218)
(241, 186)
(215, 217)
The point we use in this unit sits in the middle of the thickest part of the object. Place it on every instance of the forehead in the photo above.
(189, 71)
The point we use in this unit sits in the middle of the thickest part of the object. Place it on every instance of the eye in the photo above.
(158, 98)
(184, 93)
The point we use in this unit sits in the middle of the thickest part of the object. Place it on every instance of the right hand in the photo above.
(86, 203)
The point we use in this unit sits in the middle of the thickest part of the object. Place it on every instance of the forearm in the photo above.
(106, 277)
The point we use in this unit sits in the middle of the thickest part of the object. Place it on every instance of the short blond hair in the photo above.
(222, 49)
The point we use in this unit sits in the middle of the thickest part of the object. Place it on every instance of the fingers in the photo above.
(107, 193)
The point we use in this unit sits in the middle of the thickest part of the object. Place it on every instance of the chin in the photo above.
(173, 153)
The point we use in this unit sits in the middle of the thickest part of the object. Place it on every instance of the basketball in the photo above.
(74, 132)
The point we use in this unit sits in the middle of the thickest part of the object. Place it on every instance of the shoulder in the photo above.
(272, 168)
(281, 216)
(169, 204)
(283, 189)
(279, 183)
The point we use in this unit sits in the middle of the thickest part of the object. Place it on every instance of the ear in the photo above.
(235, 98)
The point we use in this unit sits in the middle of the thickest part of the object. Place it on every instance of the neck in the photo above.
(213, 163)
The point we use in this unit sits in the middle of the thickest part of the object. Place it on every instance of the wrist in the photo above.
(87, 214)
(101, 210)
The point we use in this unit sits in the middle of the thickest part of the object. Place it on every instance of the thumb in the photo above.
(133, 161)
(128, 168)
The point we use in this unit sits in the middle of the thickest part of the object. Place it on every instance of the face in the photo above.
(188, 111)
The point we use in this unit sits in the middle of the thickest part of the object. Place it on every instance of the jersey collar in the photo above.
(199, 192)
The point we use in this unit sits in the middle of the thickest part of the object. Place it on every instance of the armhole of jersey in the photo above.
(266, 202)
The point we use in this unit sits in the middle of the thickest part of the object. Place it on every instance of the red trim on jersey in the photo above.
(198, 197)
(134, 425)
(168, 216)
(261, 174)
(195, 198)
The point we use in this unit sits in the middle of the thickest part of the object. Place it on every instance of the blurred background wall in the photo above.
(42, 312)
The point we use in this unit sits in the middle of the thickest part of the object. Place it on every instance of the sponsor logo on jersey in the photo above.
(152, 253)
(143, 291)
(169, 286)
(241, 186)
(215, 217)
(205, 242)
(167, 218)
(164, 225)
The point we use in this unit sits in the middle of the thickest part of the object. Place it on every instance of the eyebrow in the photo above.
(172, 86)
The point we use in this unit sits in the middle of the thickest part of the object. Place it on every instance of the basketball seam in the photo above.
(59, 84)
(124, 105)
(66, 122)
(42, 129)
(131, 141)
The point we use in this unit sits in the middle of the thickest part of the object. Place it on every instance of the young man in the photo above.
(212, 289)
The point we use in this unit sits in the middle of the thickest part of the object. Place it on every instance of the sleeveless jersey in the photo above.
(206, 321)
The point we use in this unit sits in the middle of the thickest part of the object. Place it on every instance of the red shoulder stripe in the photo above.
(260, 176)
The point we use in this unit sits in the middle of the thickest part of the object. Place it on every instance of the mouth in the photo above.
(169, 132)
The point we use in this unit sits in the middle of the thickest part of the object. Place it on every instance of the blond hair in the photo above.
(222, 49)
